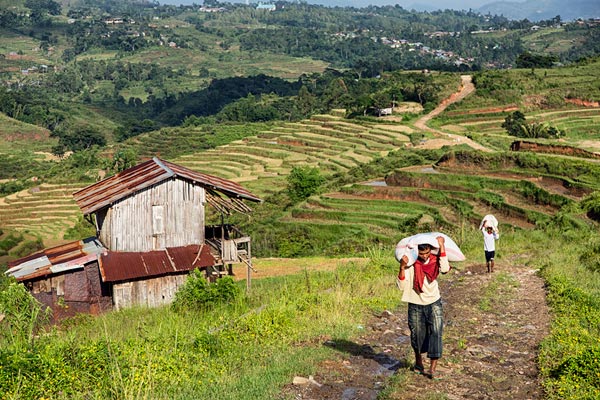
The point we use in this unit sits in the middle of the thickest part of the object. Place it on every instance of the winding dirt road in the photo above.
(444, 138)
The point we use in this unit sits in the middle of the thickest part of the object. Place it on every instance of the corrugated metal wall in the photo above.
(149, 292)
(131, 224)
(79, 291)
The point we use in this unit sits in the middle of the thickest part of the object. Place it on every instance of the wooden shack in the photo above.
(150, 223)
(65, 278)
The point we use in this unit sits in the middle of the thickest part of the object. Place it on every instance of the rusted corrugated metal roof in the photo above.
(73, 255)
(151, 172)
(123, 266)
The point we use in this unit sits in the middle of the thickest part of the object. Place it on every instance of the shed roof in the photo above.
(114, 266)
(124, 266)
(70, 256)
(151, 172)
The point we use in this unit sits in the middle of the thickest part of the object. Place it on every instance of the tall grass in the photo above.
(244, 350)
(570, 357)
(253, 346)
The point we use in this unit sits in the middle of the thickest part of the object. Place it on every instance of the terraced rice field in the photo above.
(581, 125)
(263, 160)
(47, 210)
(422, 198)
(326, 142)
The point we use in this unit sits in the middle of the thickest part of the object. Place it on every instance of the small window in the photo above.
(158, 226)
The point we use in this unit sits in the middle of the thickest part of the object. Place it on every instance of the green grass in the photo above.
(16, 136)
(497, 291)
(256, 345)
(569, 356)
(246, 350)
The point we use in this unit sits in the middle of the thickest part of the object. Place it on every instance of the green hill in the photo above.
(384, 178)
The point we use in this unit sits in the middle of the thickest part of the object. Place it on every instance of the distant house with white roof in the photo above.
(266, 6)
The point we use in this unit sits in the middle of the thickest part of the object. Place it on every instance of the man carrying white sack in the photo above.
(490, 235)
(425, 314)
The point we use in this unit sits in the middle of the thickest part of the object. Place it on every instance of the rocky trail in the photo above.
(493, 326)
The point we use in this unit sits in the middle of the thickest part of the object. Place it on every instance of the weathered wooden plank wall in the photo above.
(149, 292)
(168, 214)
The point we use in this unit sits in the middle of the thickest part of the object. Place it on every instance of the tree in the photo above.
(533, 131)
(77, 138)
(49, 6)
(528, 60)
(40, 9)
(122, 159)
(380, 101)
(303, 182)
(541, 130)
(305, 102)
(361, 104)
(513, 123)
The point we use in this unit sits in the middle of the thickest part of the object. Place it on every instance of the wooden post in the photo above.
(222, 238)
(249, 269)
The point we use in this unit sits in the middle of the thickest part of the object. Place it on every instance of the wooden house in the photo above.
(151, 231)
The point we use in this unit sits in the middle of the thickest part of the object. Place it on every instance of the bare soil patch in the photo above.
(490, 343)
(585, 103)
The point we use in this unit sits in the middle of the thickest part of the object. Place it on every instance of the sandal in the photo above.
(419, 370)
(436, 376)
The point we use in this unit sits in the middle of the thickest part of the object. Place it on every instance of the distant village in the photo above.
(395, 43)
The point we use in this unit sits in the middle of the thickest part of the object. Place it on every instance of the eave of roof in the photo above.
(114, 266)
(70, 256)
(112, 189)
(125, 266)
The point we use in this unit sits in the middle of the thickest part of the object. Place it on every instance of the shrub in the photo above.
(198, 293)
(303, 182)
(9, 242)
(82, 229)
(23, 315)
(590, 257)
(12, 186)
(591, 205)
(513, 122)
(582, 368)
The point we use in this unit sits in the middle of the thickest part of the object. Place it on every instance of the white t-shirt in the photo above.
(489, 240)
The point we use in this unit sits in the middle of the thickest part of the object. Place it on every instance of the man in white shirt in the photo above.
(490, 235)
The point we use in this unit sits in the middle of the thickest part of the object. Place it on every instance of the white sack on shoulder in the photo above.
(491, 221)
(409, 247)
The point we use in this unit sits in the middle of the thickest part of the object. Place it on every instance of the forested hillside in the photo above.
(97, 73)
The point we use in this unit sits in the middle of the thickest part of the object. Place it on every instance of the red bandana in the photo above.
(431, 270)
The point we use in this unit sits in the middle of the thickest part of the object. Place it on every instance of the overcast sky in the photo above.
(407, 4)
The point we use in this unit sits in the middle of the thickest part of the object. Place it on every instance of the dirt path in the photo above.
(444, 138)
(493, 325)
